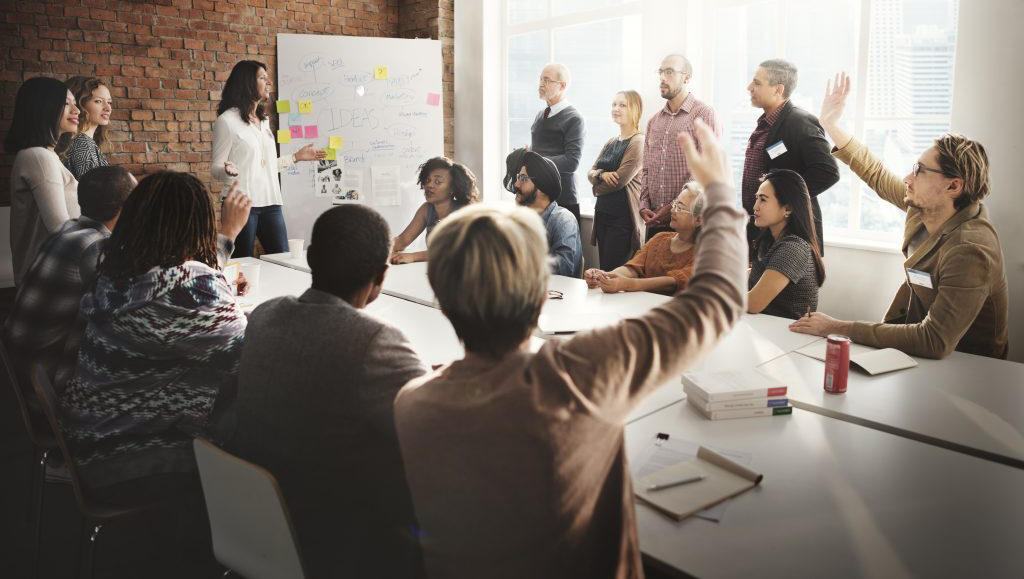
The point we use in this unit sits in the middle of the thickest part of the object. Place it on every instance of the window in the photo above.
(902, 68)
(598, 40)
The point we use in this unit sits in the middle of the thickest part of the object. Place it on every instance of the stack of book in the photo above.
(736, 394)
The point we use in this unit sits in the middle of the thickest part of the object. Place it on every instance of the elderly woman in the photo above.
(516, 460)
(665, 263)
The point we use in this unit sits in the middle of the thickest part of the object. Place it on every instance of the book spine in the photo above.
(696, 389)
(748, 413)
(739, 404)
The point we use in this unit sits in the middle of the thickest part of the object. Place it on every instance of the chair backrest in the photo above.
(252, 532)
(39, 432)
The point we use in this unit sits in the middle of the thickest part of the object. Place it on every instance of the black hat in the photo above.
(544, 174)
(513, 162)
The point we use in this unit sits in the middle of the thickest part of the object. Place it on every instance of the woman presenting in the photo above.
(244, 151)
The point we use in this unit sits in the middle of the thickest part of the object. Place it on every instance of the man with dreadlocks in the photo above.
(158, 362)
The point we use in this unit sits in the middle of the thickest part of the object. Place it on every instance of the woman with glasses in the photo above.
(665, 263)
(616, 180)
(447, 187)
(244, 152)
(786, 267)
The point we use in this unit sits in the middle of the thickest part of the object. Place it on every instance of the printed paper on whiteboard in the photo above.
(351, 187)
(384, 182)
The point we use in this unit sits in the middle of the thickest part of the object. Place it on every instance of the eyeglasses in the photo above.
(555, 295)
(522, 178)
(668, 72)
(678, 207)
(547, 80)
(918, 168)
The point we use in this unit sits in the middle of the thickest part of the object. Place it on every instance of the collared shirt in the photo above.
(564, 243)
(665, 171)
(45, 324)
(557, 108)
(254, 154)
(755, 161)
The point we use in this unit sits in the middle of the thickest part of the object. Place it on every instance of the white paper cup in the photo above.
(295, 247)
(251, 271)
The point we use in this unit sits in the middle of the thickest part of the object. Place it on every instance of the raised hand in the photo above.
(832, 107)
(711, 163)
(308, 153)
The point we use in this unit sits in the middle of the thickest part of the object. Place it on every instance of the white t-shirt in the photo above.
(254, 153)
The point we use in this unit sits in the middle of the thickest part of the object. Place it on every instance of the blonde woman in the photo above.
(665, 263)
(82, 150)
(616, 180)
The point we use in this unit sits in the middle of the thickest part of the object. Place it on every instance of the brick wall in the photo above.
(167, 60)
(435, 19)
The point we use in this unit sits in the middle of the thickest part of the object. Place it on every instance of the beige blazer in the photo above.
(966, 309)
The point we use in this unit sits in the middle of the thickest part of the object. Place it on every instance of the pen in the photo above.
(808, 314)
(675, 483)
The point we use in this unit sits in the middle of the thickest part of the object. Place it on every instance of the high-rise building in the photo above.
(923, 77)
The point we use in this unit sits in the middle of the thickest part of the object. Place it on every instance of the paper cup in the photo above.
(295, 247)
(251, 271)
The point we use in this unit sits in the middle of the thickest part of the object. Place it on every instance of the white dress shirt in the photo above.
(254, 153)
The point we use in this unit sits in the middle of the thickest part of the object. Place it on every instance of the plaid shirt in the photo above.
(755, 161)
(45, 324)
(665, 171)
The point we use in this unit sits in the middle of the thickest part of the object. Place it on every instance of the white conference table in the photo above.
(968, 403)
(287, 260)
(839, 500)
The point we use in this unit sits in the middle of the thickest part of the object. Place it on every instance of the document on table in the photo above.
(871, 360)
(666, 450)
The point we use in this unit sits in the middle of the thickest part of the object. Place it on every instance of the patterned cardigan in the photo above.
(160, 350)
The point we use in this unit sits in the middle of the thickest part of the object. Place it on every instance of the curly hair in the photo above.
(82, 87)
(167, 220)
(240, 91)
(463, 187)
(962, 158)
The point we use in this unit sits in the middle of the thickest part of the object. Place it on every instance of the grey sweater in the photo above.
(560, 138)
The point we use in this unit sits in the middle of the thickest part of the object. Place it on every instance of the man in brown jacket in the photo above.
(955, 296)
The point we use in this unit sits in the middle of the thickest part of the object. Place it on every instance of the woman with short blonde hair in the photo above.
(515, 460)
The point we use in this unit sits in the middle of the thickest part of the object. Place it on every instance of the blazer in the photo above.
(807, 152)
(966, 309)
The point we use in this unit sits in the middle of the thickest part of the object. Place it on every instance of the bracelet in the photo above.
(295, 159)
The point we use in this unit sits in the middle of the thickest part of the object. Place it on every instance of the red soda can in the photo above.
(837, 363)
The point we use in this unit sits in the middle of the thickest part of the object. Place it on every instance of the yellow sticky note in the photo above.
(284, 106)
(305, 107)
(380, 72)
(332, 154)
(335, 142)
(284, 137)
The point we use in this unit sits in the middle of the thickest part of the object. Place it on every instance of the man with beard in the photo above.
(665, 171)
(538, 187)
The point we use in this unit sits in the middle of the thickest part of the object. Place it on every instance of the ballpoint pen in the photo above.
(675, 483)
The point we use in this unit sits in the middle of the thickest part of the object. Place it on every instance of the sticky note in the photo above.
(284, 106)
(332, 154)
(312, 132)
(306, 107)
(380, 73)
(433, 99)
(335, 142)
(284, 136)
(296, 132)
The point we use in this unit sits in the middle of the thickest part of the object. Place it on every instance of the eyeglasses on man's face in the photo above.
(546, 80)
(919, 168)
(522, 178)
(668, 72)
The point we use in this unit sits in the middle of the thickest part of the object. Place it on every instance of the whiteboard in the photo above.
(383, 97)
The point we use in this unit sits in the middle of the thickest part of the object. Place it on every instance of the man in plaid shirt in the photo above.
(45, 325)
(665, 171)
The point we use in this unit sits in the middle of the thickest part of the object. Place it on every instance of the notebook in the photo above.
(871, 360)
(723, 479)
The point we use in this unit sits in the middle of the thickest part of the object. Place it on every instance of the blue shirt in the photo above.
(564, 243)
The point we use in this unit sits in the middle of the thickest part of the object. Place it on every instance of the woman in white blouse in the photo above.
(244, 151)
(44, 194)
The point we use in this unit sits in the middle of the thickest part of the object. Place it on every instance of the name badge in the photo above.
(921, 278)
(776, 149)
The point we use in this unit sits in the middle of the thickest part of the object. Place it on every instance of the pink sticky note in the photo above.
(296, 132)
(312, 132)
(433, 99)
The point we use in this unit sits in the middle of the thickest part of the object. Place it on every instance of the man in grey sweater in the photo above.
(557, 133)
(316, 387)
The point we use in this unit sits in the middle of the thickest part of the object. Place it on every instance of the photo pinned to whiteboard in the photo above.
(384, 182)
(351, 187)
(329, 175)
